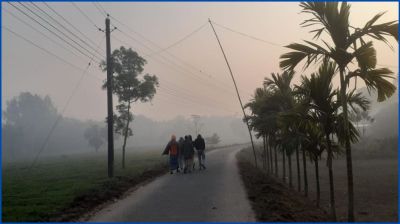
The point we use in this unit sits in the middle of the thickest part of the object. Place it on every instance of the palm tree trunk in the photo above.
(317, 180)
(267, 155)
(305, 172)
(283, 165)
(276, 161)
(290, 171)
(125, 136)
(331, 185)
(264, 152)
(271, 159)
(298, 170)
(350, 186)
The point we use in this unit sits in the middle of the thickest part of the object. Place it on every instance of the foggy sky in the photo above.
(184, 90)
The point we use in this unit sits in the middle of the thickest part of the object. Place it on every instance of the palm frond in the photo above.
(312, 54)
(357, 99)
(329, 17)
(366, 56)
(376, 79)
(379, 31)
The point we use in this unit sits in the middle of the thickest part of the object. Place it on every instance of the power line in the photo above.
(61, 38)
(180, 40)
(185, 71)
(43, 49)
(32, 27)
(102, 13)
(200, 71)
(87, 17)
(69, 23)
(101, 7)
(185, 92)
(68, 30)
(53, 127)
(269, 42)
(170, 54)
(58, 30)
(190, 102)
(247, 35)
(174, 66)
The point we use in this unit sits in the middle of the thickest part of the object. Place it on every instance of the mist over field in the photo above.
(25, 135)
(24, 139)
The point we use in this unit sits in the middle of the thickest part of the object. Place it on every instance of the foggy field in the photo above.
(51, 185)
(375, 185)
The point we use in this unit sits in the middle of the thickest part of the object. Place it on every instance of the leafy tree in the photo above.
(131, 86)
(96, 136)
(25, 120)
(350, 45)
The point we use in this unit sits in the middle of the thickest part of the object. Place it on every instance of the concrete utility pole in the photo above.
(110, 119)
(237, 92)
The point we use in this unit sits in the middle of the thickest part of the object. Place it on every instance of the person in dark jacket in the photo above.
(200, 146)
(181, 158)
(188, 153)
(172, 149)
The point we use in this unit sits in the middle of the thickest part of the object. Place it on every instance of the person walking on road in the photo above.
(188, 153)
(172, 149)
(181, 158)
(200, 146)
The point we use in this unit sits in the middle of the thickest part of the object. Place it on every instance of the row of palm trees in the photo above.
(312, 117)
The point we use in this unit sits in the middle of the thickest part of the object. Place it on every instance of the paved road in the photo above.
(214, 195)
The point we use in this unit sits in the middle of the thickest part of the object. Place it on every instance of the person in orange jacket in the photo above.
(172, 149)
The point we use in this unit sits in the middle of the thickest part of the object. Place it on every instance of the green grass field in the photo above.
(39, 193)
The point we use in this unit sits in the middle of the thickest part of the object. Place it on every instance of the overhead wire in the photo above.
(51, 31)
(172, 67)
(86, 16)
(190, 103)
(102, 13)
(43, 34)
(268, 42)
(185, 91)
(247, 35)
(43, 49)
(181, 69)
(69, 23)
(67, 36)
(200, 71)
(180, 40)
(53, 127)
(68, 30)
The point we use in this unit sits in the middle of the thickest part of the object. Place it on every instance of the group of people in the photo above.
(181, 153)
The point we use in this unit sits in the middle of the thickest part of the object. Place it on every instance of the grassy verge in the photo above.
(273, 201)
(64, 188)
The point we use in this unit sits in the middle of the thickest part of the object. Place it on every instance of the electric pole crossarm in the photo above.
(237, 91)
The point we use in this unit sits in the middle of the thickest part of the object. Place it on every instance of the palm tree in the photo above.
(255, 120)
(324, 103)
(349, 45)
(280, 86)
